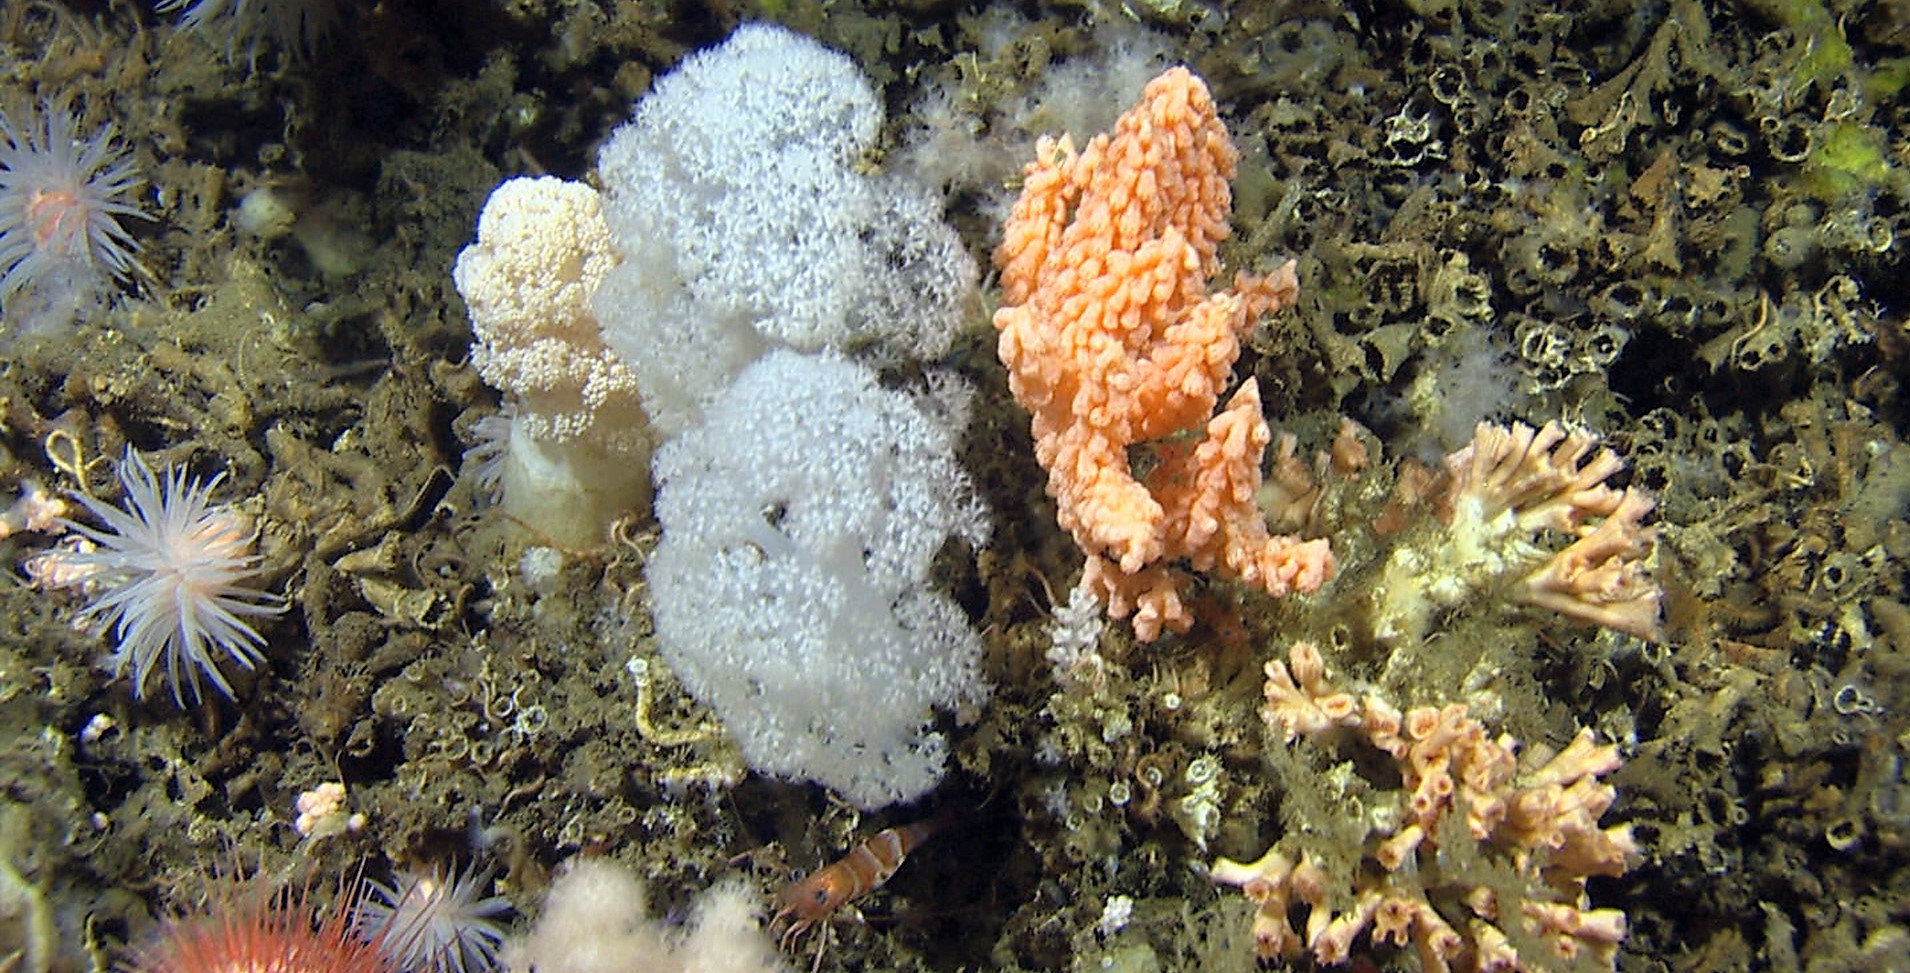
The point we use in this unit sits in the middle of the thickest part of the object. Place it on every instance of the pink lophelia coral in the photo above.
(1549, 479)
(1530, 828)
(1112, 340)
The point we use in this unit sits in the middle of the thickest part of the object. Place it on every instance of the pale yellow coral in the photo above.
(579, 444)
(1507, 499)
(542, 251)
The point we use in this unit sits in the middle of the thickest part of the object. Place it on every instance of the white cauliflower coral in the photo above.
(747, 218)
(579, 442)
(541, 253)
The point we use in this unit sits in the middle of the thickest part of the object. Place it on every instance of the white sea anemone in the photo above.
(297, 24)
(170, 573)
(433, 922)
(490, 447)
(61, 200)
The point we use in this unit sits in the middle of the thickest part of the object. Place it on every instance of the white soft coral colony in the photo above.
(792, 587)
(740, 205)
(171, 574)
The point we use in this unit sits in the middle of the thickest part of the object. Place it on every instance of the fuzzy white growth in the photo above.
(791, 588)
(737, 198)
(957, 140)
(595, 922)
(1074, 640)
(1084, 95)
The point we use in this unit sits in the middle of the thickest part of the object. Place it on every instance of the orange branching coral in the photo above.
(1535, 819)
(1112, 339)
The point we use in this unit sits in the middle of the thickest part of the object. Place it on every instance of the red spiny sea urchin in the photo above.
(61, 199)
(252, 931)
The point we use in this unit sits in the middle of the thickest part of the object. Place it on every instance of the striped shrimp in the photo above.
(814, 899)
